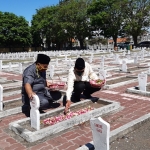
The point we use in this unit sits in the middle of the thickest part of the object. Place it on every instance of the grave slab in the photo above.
(121, 83)
(136, 90)
(32, 135)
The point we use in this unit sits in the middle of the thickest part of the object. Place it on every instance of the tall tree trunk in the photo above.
(135, 39)
(81, 43)
(115, 40)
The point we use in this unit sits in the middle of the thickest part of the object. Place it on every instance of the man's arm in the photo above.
(29, 91)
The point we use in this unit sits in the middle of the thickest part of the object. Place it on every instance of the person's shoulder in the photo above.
(71, 69)
(30, 67)
(87, 64)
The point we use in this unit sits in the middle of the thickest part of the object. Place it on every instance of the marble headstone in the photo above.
(1, 98)
(34, 112)
(142, 79)
(100, 132)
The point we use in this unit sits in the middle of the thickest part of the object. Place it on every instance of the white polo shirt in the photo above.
(87, 75)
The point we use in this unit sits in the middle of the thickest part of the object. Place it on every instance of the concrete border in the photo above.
(123, 130)
(107, 86)
(9, 112)
(139, 92)
(50, 130)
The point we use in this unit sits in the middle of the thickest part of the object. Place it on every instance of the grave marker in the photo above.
(1, 98)
(124, 66)
(0, 65)
(142, 79)
(100, 132)
(34, 112)
(20, 68)
(51, 71)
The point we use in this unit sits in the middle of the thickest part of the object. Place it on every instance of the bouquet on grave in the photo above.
(69, 115)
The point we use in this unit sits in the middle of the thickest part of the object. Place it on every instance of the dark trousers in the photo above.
(85, 87)
(45, 102)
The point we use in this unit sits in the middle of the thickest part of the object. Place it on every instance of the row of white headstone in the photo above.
(11, 66)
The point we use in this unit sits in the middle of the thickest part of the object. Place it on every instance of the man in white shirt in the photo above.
(78, 82)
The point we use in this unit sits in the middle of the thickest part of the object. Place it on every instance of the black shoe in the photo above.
(93, 99)
(41, 111)
(54, 105)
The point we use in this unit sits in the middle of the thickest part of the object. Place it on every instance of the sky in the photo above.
(25, 8)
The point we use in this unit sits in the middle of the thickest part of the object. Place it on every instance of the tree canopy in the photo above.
(14, 30)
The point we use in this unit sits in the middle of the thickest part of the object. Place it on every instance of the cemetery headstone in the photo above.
(142, 79)
(100, 132)
(0, 65)
(1, 98)
(10, 66)
(20, 68)
(124, 66)
(34, 112)
(51, 71)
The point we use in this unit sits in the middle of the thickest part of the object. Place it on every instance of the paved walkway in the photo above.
(134, 106)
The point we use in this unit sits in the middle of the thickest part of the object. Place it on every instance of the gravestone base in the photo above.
(32, 135)
(119, 81)
(135, 90)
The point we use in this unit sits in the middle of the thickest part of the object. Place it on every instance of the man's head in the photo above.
(79, 66)
(42, 62)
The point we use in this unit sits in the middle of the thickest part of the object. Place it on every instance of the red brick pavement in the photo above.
(133, 108)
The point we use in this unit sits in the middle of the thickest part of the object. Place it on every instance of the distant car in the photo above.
(144, 44)
(124, 45)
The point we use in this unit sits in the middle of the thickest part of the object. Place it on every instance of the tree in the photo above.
(14, 31)
(107, 16)
(137, 19)
(73, 18)
(48, 27)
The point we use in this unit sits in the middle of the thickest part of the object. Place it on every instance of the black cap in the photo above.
(43, 59)
(80, 64)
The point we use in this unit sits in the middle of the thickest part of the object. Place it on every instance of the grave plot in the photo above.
(4, 81)
(119, 81)
(11, 107)
(134, 69)
(22, 127)
(143, 87)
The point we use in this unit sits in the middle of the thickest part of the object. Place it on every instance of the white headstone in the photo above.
(56, 62)
(20, 68)
(128, 52)
(124, 53)
(136, 59)
(124, 66)
(0, 65)
(1, 98)
(142, 79)
(101, 132)
(101, 65)
(65, 57)
(102, 74)
(51, 71)
(10, 66)
(34, 112)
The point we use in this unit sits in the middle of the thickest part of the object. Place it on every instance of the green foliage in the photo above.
(97, 41)
(14, 31)
(107, 16)
(137, 18)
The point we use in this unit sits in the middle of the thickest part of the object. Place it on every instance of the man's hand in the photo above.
(67, 106)
(48, 83)
(30, 95)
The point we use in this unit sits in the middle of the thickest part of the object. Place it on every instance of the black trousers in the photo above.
(85, 87)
